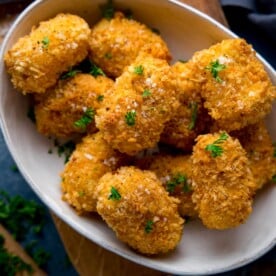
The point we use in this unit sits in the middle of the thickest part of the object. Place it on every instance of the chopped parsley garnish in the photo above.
(274, 178)
(215, 67)
(193, 106)
(274, 152)
(130, 117)
(149, 226)
(108, 10)
(114, 194)
(19, 215)
(31, 114)
(178, 180)
(139, 70)
(100, 98)
(108, 56)
(81, 193)
(11, 264)
(96, 71)
(214, 148)
(146, 93)
(70, 74)
(155, 30)
(86, 118)
(14, 168)
(45, 42)
(182, 61)
(65, 149)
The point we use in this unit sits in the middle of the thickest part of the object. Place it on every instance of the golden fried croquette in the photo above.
(175, 174)
(143, 99)
(92, 158)
(136, 206)
(223, 184)
(61, 111)
(37, 60)
(115, 44)
(191, 118)
(257, 143)
(237, 90)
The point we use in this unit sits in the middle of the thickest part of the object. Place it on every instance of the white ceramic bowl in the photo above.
(186, 30)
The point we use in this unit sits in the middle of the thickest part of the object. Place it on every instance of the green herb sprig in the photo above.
(70, 74)
(96, 71)
(215, 148)
(149, 226)
(114, 194)
(139, 70)
(130, 118)
(194, 107)
(146, 93)
(178, 180)
(215, 67)
(45, 42)
(86, 119)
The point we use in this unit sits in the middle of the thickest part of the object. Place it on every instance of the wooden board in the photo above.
(88, 258)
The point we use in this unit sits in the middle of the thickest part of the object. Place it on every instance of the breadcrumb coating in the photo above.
(143, 100)
(238, 92)
(191, 118)
(223, 185)
(258, 145)
(36, 61)
(170, 169)
(145, 216)
(92, 158)
(115, 44)
(59, 108)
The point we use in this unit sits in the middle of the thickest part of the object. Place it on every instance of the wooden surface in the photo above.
(88, 258)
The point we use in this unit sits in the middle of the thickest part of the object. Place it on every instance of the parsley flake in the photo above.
(149, 226)
(139, 70)
(14, 168)
(130, 118)
(45, 42)
(96, 71)
(65, 149)
(178, 180)
(193, 106)
(108, 10)
(100, 98)
(86, 118)
(274, 178)
(215, 67)
(214, 148)
(274, 152)
(146, 93)
(114, 194)
(70, 74)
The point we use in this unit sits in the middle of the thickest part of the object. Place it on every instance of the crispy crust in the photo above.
(58, 108)
(143, 199)
(35, 67)
(151, 111)
(245, 94)
(92, 158)
(223, 185)
(115, 44)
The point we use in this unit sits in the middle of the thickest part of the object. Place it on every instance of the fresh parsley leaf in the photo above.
(96, 71)
(86, 118)
(14, 168)
(65, 149)
(70, 74)
(178, 180)
(11, 264)
(139, 70)
(130, 118)
(214, 148)
(149, 226)
(146, 93)
(108, 10)
(193, 106)
(114, 194)
(100, 98)
(45, 42)
(215, 67)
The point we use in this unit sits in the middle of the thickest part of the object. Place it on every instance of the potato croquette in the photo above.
(257, 143)
(237, 90)
(191, 118)
(69, 108)
(223, 184)
(92, 158)
(175, 172)
(37, 60)
(115, 44)
(142, 214)
(143, 100)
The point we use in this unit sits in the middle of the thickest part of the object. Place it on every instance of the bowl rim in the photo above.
(47, 200)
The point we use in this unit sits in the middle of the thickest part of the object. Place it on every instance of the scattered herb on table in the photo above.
(193, 106)
(215, 148)
(149, 226)
(14, 168)
(86, 119)
(65, 149)
(215, 67)
(130, 118)
(114, 194)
